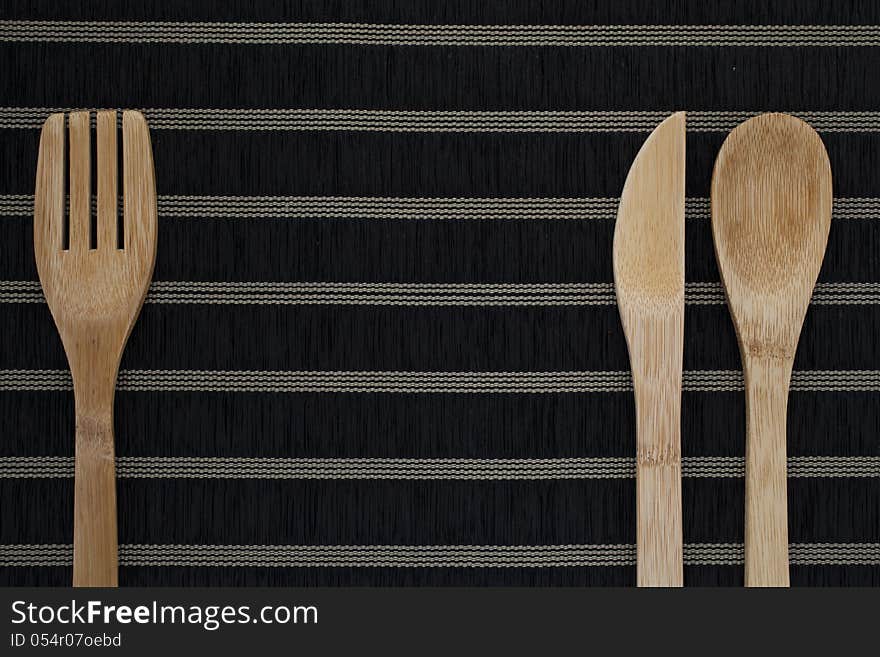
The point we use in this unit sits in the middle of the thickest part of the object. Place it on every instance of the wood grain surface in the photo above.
(649, 279)
(95, 292)
(771, 214)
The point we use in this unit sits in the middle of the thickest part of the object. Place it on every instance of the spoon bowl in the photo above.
(771, 213)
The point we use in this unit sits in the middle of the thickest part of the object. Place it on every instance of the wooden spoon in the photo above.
(771, 212)
(649, 280)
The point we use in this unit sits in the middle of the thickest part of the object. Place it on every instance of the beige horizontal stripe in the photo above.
(427, 382)
(440, 35)
(426, 556)
(435, 208)
(399, 294)
(426, 294)
(405, 208)
(442, 120)
(179, 467)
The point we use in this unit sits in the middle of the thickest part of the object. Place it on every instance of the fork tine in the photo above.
(80, 180)
(139, 186)
(107, 179)
(49, 188)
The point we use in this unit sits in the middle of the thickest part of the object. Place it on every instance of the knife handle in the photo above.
(658, 482)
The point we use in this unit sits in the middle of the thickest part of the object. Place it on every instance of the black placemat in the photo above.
(382, 346)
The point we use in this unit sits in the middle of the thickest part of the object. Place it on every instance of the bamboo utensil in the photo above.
(771, 212)
(649, 280)
(95, 292)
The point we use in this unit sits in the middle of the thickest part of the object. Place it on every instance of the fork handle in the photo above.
(95, 550)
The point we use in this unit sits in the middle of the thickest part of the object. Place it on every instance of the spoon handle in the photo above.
(766, 525)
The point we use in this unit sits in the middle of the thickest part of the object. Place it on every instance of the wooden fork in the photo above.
(95, 293)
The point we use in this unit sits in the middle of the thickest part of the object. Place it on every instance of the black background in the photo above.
(337, 337)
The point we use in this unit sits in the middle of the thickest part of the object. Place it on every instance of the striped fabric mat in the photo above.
(381, 346)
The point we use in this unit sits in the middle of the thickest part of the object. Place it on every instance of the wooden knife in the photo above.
(649, 280)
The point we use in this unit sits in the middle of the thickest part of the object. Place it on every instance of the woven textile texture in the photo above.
(382, 346)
